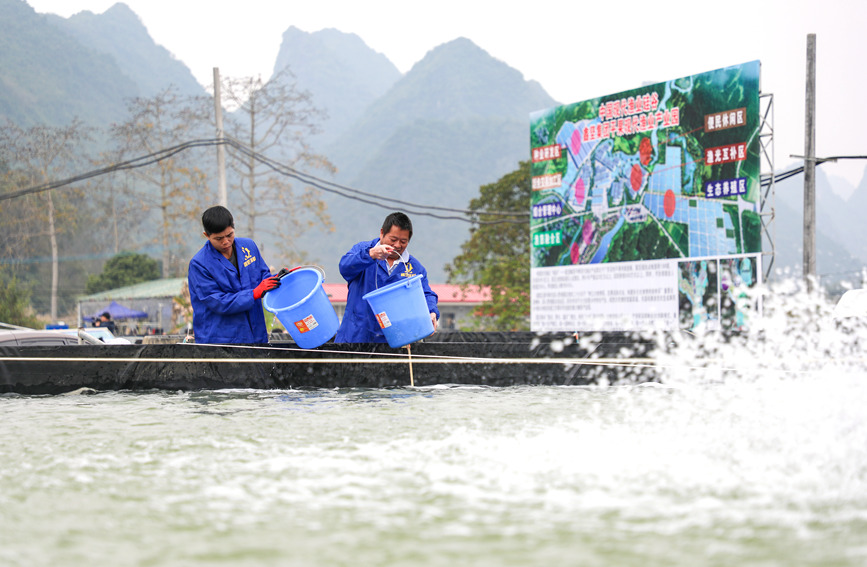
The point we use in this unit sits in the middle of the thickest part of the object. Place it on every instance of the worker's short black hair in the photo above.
(217, 219)
(106, 314)
(400, 220)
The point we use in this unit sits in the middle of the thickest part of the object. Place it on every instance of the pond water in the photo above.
(768, 469)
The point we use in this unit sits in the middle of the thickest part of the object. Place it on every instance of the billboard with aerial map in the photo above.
(627, 186)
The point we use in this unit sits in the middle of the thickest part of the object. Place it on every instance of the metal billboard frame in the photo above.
(766, 174)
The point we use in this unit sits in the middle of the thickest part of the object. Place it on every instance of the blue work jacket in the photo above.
(363, 274)
(224, 310)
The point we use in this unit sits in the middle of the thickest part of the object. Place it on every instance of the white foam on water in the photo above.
(746, 451)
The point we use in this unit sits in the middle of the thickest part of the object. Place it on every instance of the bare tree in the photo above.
(119, 207)
(174, 188)
(35, 156)
(275, 119)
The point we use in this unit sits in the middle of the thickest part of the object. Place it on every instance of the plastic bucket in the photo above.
(402, 311)
(302, 305)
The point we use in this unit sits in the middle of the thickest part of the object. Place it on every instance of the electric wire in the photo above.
(337, 188)
(285, 170)
(766, 180)
(475, 216)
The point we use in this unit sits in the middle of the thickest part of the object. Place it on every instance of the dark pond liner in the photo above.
(491, 359)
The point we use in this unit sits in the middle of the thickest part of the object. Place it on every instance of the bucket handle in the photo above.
(284, 272)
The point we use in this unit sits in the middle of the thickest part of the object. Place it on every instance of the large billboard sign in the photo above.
(638, 195)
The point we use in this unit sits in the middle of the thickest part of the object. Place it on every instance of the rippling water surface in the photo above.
(766, 471)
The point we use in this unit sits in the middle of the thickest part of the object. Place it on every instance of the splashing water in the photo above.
(746, 451)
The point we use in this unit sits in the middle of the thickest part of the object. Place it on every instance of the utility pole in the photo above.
(221, 149)
(810, 167)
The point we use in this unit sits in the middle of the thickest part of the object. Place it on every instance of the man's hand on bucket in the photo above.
(265, 286)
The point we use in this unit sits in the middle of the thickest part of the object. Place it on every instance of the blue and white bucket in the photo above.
(302, 305)
(402, 311)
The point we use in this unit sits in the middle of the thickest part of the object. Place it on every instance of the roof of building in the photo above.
(170, 287)
(451, 293)
(448, 293)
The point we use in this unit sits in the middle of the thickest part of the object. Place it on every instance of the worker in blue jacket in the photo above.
(372, 264)
(227, 279)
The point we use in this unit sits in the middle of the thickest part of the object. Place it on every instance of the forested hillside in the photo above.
(343, 75)
(120, 34)
(49, 77)
(455, 121)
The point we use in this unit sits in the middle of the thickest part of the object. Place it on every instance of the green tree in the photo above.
(15, 303)
(497, 253)
(123, 270)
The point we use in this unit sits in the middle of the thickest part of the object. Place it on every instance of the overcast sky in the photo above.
(576, 50)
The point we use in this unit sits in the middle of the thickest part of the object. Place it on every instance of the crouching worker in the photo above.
(372, 264)
(227, 279)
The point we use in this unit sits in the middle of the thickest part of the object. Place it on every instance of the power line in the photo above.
(332, 187)
(766, 180)
(337, 188)
(283, 169)
(122, 166)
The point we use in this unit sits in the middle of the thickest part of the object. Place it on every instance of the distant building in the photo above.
(457, 308)
(167, 303)
(157, 298)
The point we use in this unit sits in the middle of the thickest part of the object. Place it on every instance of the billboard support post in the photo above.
(767, 205)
